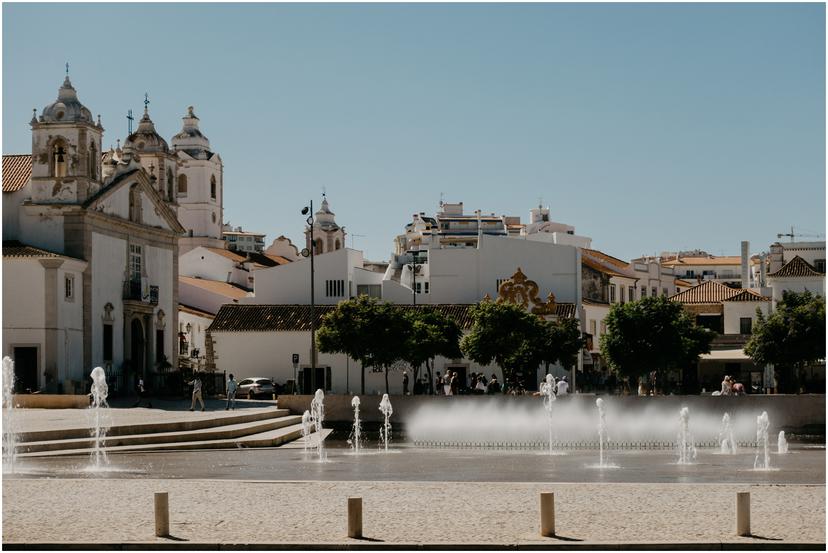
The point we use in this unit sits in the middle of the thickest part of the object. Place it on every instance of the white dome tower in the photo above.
(327, 235)
(198, 187)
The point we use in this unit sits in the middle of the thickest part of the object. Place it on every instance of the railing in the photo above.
(132, 291)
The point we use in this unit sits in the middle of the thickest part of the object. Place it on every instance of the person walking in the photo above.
(196, 384)
(141, 390)
(231, 394)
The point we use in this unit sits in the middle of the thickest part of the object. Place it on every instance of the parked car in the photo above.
(253, 387)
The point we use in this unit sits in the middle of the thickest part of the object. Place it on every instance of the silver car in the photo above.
(253, 387)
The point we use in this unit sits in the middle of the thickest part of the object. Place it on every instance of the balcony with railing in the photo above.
(133, 292)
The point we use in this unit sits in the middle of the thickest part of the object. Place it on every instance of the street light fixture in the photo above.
(309, 252)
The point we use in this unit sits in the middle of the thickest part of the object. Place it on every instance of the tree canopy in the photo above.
(432, 334)
(518, 341)
(791, 337)
(652, 334)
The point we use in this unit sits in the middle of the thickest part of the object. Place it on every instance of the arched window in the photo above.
(135, 203)
(60, 159)
(182, 185)
(318, 248)
(93, 161)
(170, 185)
(336, 245)
(213, 187)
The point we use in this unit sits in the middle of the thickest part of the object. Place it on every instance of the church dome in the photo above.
(191, 139)
(324, 218)
(67, 108)
(145, 139)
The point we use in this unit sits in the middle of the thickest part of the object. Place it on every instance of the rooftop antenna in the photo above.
(352, 238)
(130, 119)
(441, 199)
(540, 202)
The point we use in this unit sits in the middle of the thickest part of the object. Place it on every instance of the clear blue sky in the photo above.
(648, 127)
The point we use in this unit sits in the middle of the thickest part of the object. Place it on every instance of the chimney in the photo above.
(745, 264)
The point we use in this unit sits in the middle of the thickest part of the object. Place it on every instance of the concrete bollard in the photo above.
(742, 513)
(547, 514)
(162, 514)
(354, 517)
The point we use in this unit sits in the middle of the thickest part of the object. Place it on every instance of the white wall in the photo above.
(41, 226)
(200, 298)
(290, 283)
(815, 285)
(70, 321)
(735, 310)
(24, 319)
(198, 326)
(108, 275)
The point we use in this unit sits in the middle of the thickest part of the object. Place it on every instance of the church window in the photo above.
(213, 187)
(69, 288)
(182, 185)
(93, 161)
(337, 245)
(60, 159)
(135, 204)
(318, 248)
(135, 262)
(214, 216)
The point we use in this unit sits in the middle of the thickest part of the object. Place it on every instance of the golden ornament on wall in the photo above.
(524, 292)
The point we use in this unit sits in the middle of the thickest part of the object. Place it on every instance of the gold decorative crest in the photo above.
(524, 292)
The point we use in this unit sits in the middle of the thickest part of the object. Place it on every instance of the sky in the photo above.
(649, 127)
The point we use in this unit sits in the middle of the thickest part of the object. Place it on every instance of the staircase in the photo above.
(263, 428)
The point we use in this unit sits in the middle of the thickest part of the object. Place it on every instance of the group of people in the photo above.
(730, 387)
(452, 384)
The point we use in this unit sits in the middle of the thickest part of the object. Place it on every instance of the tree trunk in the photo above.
(386, 380)
(430, 378)
(362, 379)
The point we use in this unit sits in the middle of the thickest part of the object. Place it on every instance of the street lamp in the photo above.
(413, 267)
(309, 251)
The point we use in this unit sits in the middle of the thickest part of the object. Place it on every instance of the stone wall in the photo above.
(802, 413)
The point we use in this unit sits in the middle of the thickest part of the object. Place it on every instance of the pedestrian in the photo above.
(480, 387)
(405, 383)
(562, 387)
(494, 386)
(231, 394)
(438, 384)
(454, 383)
(447, 383)
(727, 387)
(196, 384)
(141, 390)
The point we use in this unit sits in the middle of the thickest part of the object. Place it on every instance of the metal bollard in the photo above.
(354, 517)
(547, 514)
(743, 513)
(162, 514)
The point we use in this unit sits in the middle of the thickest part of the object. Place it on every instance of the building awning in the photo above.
(725, 355)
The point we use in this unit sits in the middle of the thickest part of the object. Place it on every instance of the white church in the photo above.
(91, 245)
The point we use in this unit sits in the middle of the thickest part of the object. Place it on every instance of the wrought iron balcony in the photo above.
(132, 292)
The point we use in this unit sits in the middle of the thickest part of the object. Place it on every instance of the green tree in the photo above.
(375, 334)
(562, 343)
(432, 334)
(792, 337)
(507, 335)
(652, 334)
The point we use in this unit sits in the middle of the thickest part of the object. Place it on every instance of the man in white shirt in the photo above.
(231, 394)
(196, 384)
(563, 387)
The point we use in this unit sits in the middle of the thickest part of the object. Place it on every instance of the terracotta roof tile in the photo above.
(607, 258)
(17, 169)
(13, 248)
(226, 289)
(227, 253)
(713, 292)
(194, 311)
(796, 267)
(592, 264)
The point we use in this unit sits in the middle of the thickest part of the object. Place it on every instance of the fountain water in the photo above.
(100, 391)
(386, 409)
(726, 440)
(781, 443)
(762, 425)
(686, 446)
(9, 435)
(549, 397)
(306, 431)
(355, 438)
(602, 430)
(317, 412)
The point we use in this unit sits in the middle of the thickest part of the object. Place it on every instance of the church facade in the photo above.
(91, 245)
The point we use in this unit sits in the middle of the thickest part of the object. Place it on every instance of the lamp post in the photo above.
(413, 267)
(309, 220)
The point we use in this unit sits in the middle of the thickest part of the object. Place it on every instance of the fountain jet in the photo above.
(100, 391)
(356, 432)
(9, 434)
(387, 410)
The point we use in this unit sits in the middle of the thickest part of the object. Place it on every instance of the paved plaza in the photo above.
(112, 511)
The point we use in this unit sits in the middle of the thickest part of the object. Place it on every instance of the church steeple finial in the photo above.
(67, 69)
(146, 103)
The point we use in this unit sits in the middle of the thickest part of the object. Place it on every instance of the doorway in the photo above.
(25, 369)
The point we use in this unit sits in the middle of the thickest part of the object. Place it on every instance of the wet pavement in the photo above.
(805, 464)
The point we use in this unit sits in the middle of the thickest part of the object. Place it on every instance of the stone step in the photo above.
(211, 419)
(222, 432)
(270, 438)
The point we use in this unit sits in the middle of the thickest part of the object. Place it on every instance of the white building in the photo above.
(114, 235)
(241, 240)
(797, 275)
